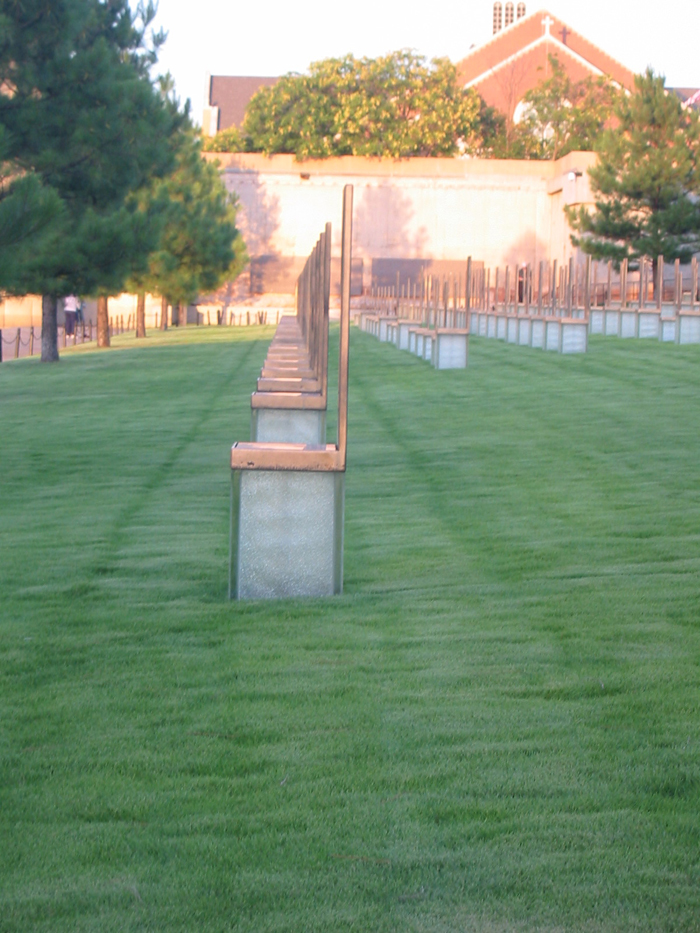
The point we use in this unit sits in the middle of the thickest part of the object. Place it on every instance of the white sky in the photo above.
(272, 37)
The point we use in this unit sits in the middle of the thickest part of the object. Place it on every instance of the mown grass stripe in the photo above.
(496, 723)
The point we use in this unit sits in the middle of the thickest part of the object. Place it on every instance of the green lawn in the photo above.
(496, 728)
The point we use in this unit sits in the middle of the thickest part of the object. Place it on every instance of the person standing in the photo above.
(70, 309)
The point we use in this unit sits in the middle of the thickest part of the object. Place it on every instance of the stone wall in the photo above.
(428, 211)
(411, 217)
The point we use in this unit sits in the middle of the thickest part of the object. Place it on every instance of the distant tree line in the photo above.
(101, 178)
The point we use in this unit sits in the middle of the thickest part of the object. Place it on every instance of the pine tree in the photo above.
(198, 246)
(646, 182)
(27, 211)
(82, 118)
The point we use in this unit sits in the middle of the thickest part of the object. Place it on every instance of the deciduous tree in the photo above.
(229, 140)
(396, 106)
(558, 116)
(562, 115)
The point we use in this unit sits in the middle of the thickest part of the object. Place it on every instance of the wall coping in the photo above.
(256, 163)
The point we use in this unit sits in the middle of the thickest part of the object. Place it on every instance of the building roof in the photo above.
(516, 59)
(231, 95)
(690, 96)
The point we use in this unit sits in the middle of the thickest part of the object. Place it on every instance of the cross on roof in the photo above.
(547, 22)
(564, 32)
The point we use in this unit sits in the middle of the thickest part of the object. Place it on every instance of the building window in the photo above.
(509, 14)
(497, 17)
(521, 10)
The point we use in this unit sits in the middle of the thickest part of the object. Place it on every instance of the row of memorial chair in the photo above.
(288, 484)
(445, 347)
(542, 332)
(570, 334)
(667, 324)
(290, 401)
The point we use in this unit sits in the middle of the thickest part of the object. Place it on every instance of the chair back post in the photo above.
(346, 267)
(326, 309)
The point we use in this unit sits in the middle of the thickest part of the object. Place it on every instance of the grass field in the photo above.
(496, 728)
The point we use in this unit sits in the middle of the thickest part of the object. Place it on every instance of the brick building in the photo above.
(516, 58)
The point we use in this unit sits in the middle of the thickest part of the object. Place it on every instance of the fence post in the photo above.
(587, 286)
(594, 296)
(527, 285)
(561, 306)
(468, 288)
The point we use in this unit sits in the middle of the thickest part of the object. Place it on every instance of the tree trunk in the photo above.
(141, 315)
(182, 315)
(49, 329)
(657, 266)
(102, 322)
(163, 313)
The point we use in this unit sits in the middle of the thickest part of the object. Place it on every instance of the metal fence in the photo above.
(17, 343)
